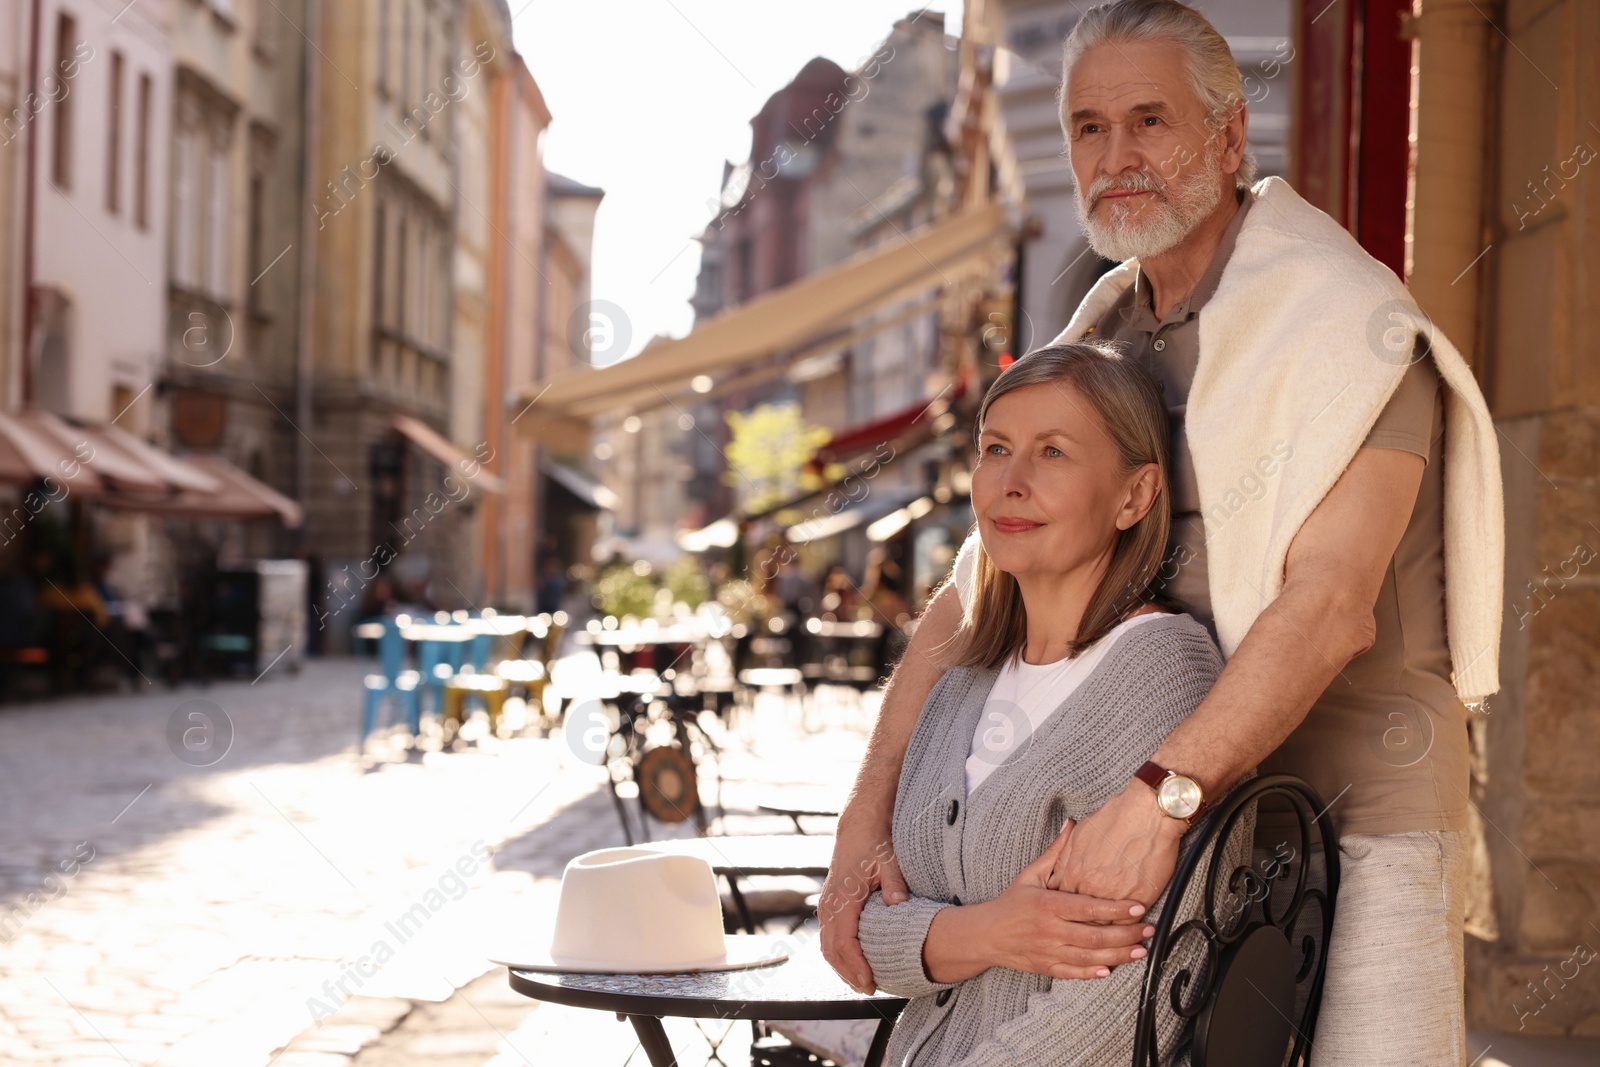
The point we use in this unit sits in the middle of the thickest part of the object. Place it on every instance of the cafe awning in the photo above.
(590, 494)
(439, 447)
(90, 458)
(874, 506)
(120, 470)
(237, 495)
(29, 452)
(773, 324)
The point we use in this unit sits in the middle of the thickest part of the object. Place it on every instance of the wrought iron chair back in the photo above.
(1243, 1001)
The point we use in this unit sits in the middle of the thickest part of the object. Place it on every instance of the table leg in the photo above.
(653, 1037)
(880, 1043)
(739, 905)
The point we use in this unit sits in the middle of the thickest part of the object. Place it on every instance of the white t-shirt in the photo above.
(1025, 695)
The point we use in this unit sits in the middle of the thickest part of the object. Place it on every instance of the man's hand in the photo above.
(1030, 928)
(1127, 849)
(863, 860)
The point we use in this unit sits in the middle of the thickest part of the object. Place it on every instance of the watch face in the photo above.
(1179, 796)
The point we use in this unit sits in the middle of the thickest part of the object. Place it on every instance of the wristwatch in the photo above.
(1177, 795)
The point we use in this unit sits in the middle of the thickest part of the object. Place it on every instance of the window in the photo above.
(141, 157)
(217, 220)
(202, 225)
(258, 258)
(265, 41)
(114, 138)
(405, 55)
(423, 327)
(411, 298)
(403, 310)
(186, 208)
(380, 268)
(66, 67)
(384, 80)
(122, 398)
(744, 254)
(253, 251)
(426, 49)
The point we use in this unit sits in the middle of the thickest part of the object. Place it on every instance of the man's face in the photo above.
(1146, 163)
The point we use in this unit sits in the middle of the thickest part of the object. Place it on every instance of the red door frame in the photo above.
(1351, 152)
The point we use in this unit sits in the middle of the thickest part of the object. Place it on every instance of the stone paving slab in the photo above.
(291, 900)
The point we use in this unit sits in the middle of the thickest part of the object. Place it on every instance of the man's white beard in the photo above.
(1154, 224)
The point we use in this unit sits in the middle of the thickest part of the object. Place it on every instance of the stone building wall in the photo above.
(1534, 959)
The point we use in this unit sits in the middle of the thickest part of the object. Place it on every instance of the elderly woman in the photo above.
(1070, 673)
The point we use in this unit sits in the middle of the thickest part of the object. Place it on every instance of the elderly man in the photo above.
(1330, 455)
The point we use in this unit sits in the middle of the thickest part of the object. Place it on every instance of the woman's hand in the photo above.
(1032, 928)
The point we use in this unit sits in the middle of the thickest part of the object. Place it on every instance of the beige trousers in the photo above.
(1393, 992)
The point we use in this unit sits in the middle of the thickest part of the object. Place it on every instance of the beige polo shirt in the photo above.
(1386, 743)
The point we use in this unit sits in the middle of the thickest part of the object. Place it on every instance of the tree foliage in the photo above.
(767, 455)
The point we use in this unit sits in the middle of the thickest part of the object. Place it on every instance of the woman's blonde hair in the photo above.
(1127, 401)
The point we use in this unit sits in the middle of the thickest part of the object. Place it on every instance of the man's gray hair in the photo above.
(1213, 73)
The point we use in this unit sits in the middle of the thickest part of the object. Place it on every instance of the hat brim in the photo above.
(741, 952)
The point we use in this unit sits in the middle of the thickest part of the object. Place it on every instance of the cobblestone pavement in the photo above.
(293, 904)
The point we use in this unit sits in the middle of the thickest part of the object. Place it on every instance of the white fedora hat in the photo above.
(642, 911)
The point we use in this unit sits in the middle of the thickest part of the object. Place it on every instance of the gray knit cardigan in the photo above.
(952, 848)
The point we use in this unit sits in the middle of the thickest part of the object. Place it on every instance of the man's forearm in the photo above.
(925, 659)
(1320, 621)
(1293, 652)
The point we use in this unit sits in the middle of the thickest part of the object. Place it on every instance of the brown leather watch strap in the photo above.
(1151, 774)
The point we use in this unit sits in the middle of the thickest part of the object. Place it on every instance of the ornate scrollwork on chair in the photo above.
(1242, 976)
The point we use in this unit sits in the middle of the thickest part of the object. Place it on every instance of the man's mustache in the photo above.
(1140, 181)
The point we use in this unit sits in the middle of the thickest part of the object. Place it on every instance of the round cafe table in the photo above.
(801, 987)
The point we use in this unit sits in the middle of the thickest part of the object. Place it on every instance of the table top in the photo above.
(775, 854)
(770, 677)
(432, 631)
(862, 628)
(801, 987)
(639, 636)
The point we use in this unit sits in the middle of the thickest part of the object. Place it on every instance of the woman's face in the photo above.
(1048, 492)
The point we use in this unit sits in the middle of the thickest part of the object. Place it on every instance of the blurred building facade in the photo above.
(841, 163)
(15, 117)
(569, 500)
(87, 152)
(430, 292)
(310, 238)
(233, 211)
(94, 264)
(516, 203)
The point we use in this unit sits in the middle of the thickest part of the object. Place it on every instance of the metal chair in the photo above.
(441, 653)
(1229, 975)
(393, 681)
(470, 686)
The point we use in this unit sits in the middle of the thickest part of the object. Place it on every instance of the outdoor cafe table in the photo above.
(642, 644)
(432, 631)
(801, 987)
(639, 636)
